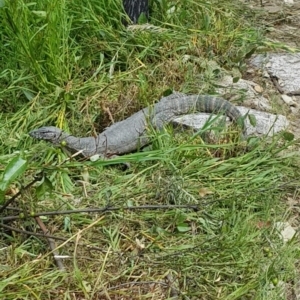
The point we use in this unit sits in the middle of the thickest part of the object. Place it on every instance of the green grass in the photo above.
(228, 249)
(63, 63)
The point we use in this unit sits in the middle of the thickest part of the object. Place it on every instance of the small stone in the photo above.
(288, 100)
(266, 74)
(258, 89)
(287, 232)
(272, 9)
(186, 58)
(95, 157)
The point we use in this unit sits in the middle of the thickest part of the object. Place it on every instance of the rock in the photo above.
(272, 9)
(245, 90)
(283, 66)
(287, 232)
(266, 123)
(288, 100)
(258, 89)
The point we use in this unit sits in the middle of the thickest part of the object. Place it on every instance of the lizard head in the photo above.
(51, 134)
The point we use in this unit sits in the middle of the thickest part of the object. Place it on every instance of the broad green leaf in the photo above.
(15, 168)
(2, 194)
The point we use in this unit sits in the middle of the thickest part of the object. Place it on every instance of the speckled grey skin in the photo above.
(130, 134)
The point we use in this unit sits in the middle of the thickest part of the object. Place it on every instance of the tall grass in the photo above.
(63, 61)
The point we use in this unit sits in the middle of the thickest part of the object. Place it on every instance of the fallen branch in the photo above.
(52, 245)
(104, 209)
(48, 236)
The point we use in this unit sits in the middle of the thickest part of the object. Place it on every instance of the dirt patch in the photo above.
(281, 21)
(282, 24)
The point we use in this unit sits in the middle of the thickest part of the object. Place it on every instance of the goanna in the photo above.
(130, 134)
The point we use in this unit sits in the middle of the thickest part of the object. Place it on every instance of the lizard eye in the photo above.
(51, 135)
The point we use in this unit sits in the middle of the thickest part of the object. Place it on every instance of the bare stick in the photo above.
(104, 209)
(52, 245)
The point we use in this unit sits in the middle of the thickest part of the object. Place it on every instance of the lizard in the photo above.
(130, 134)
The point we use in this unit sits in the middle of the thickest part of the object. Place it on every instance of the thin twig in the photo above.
(136, 283)
(274, 79)
(104, 209)
(107, 110)
(48, 236)
(173, 285)
(52, 245)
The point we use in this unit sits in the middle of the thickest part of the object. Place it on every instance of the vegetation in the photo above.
(189, 218)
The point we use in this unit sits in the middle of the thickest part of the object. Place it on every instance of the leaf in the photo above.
(129, 203)
(183, 228)
(288, 136)
(252, 120)
(86, 286)
(158, 230)
(240, 122)
(15, 168)
(45, 186)
(248, 54)
(28, 95)
(235, 79)
(263, 224)
(167, 92)
(66, 183)
(8, 281)
(204, 191)
(2, 194)
(67, 224)
(142, 18)
(40, 13)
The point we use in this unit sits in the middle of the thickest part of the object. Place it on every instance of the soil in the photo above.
(281, 19)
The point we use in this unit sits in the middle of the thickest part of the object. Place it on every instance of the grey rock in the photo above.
(244, 90)
(266, 123)
(284, 66)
